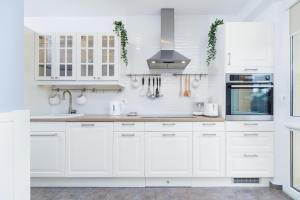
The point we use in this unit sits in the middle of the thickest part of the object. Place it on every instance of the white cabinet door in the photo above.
(109, 50)
(87, 67)
(249, 45)
(168, 154)
(44, 57)
(47, 154)
(89, 149)
(209, 154)
(242, 164)
(65, 56)
(128, 154)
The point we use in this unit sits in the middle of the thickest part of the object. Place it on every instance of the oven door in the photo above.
(249, 101)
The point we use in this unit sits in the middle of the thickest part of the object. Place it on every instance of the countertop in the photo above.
(108, 118)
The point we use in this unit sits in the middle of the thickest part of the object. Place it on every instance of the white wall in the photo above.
(11, 55)
(144, 41)
(277, 13)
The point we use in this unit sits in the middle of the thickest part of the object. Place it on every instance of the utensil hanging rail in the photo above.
(94, 90)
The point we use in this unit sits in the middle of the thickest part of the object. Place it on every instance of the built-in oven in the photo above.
(249, 97)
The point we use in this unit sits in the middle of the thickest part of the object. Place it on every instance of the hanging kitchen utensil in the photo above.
(153, 85)
(180, 86)
(157, 91)
(159, 87)
(134, 83)
(186, 92)
(149, 90)
(189, 86)
(196, 82)
(143, 91)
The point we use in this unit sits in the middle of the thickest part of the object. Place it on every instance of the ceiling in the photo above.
(130, 7)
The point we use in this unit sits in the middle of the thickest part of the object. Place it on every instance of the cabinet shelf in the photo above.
(101, 85)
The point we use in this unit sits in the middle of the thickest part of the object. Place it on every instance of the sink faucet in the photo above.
(70, 110)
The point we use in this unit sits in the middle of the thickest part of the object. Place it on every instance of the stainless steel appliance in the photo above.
(167, 57)
(249, 97)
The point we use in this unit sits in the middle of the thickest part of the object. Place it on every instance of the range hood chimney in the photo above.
(167, 57)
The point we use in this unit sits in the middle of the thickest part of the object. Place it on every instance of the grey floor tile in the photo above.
(220, 193)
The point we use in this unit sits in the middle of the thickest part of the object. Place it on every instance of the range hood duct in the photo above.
(167, 57)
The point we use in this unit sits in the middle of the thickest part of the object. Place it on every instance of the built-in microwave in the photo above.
(249, 97)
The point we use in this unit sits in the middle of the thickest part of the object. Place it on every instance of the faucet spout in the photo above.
(70, 109)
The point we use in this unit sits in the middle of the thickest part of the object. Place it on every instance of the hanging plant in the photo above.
(212, 39)
(121, 32)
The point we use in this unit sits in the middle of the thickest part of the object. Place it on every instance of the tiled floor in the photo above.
(157, 194)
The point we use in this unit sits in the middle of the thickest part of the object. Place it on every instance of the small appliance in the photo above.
(116, 107)
(199, 101)
(211, 110)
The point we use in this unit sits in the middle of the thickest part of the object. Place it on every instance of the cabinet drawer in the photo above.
(47, 126)
(245, 70)
(250, 165)
(209, 126)
(128, 126)
(250, 126)
(169, 126)
(250, 141)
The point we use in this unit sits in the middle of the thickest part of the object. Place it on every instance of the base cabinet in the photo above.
(250, 165)
(89, 149)
(128, 159)
(47, 157)
(168, 154)
(209, 154)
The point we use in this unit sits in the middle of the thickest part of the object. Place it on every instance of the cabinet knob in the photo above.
(87, 125)
(168, 134)
(128, 135)
(128, 124)
(251, 134)
(52, 77)
(250, 124)
(250, 155)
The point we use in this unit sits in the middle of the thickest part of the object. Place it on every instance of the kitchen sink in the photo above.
(57, 116)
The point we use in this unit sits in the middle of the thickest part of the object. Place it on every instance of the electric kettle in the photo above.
(211, 110)
(116, 107)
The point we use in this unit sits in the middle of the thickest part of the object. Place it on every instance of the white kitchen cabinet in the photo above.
(45, 57)
(109, 61)
(168, 154)
(209, 154)
(89, 149)
(248, 47)
(47, 153)
(87, 69)
(65, 56)
(128, 159)
(248, 165)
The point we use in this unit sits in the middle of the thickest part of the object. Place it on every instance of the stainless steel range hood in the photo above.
(167, 57)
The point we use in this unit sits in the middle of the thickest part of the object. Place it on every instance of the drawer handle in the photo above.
(169, 134)
(168, 124)
(128, 124)
(209, 124)
(250, 134)
(251, 124)
(44, 135)
(250, 155)
(128, 135)
(209, 134)
(251, 69)
(87, 125)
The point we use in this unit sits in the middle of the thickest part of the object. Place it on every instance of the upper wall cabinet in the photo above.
(76, 56)
(109, 55)
(87, 64)
(248, 47)
(44, 57)
(65, 56)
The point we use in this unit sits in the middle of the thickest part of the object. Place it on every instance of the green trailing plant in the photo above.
(121, 32)
(212, 39)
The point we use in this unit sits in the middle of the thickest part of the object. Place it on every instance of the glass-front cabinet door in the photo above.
(87, 64)
(66, 56)
(44, 56)
(109, 57)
